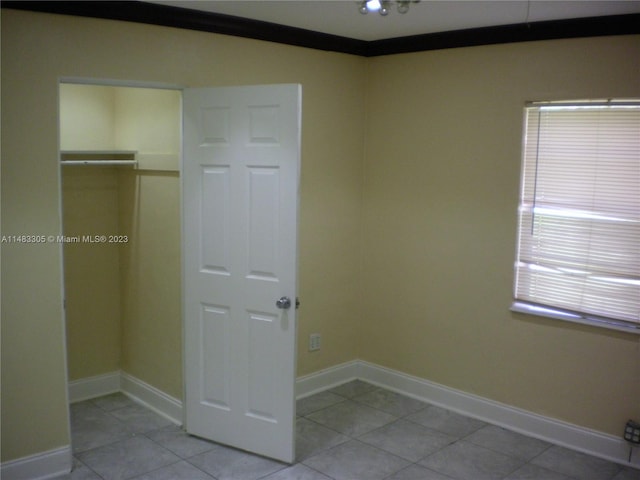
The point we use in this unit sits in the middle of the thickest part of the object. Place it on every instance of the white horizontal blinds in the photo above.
(579, 238)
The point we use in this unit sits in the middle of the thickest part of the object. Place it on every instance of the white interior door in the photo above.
(241, 161)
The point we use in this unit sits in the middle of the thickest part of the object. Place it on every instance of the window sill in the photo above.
(549, 312)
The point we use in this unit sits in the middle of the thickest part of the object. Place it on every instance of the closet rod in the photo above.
(98, 162)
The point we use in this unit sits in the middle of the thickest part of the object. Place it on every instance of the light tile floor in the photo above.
(352, 432)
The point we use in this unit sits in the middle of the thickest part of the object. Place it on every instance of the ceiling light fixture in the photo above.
(383, 6)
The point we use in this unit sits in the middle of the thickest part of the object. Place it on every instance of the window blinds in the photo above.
(579, 228)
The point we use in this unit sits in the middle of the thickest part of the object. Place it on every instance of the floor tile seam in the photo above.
(413, 462)
(321, 473)
(101, 412)
(86, 466)
(429, 430)
(338, 394)
(360, 404)
(128, 435)
(344, 399)
(146, 435)
(200, 469)
(111, 416)
(389, 413)
(417, 464)
(526, 460)
(329, 428)
(547, 467)
(321, 450)
(178, 460)
(409, 462)
(139, 475)
(380, 450)
(114, 410)
(93, 402)
(495, 450)
(515, 469)
(465, 440)
(291, 466)
(144, 411)
(529, 460)
(266, 475)
(458, 438)
(188, 460)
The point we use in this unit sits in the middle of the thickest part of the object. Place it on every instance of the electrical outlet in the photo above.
(314, 342)
(632, 432)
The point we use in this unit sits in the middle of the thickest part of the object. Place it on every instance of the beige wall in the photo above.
(91, 271)
(87, 117)
(440, 199)
(151, 278)
(39, 49)
(405, 259)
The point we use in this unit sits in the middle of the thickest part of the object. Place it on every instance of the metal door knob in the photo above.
(284, 303)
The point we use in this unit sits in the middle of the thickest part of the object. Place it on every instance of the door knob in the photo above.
(284, 303)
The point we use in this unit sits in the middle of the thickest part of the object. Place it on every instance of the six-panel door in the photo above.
(241, 161)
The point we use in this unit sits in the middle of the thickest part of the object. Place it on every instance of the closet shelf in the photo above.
(112, 163)
(98, 157)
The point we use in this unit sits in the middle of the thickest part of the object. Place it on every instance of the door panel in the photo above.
(263, 223)
(215, 350)
(215, 243)
(240, 200)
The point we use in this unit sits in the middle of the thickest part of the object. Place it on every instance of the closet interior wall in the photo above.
(123, 297)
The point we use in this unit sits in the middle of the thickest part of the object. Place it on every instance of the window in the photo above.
(578, 252)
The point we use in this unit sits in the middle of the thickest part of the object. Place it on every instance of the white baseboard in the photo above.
(51, 464)
(41, 466)
(552, 430)
(327, 378)
(138, 390)
(92, 387)
(154, 399)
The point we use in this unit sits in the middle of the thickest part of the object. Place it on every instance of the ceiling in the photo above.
(341, 17)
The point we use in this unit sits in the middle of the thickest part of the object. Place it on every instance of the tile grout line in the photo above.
(357, 400)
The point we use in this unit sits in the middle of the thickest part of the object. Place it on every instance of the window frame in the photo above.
(527, 306)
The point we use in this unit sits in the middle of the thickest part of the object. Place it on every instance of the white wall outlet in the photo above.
(314, 342)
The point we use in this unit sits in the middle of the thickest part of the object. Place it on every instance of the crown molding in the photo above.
(521, 32)
(177, 17)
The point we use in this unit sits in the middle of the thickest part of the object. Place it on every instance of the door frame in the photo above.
(105, 82)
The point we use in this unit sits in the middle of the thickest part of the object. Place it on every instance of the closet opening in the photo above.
(120, 197)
